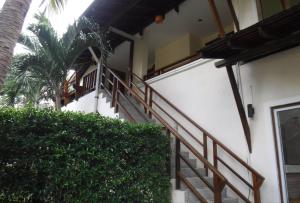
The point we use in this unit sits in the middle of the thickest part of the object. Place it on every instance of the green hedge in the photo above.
(47, 156)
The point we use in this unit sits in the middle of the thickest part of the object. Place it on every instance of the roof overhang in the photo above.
(130, 16)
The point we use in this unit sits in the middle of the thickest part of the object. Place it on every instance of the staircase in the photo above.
(196, 158)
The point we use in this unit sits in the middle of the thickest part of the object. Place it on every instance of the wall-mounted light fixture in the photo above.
(159, 19)
(251, 111)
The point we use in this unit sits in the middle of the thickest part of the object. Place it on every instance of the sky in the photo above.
(60, 21)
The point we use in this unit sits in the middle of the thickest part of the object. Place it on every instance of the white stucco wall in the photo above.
(86, 105)
(204, 93)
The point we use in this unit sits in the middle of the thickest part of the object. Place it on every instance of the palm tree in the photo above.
(12, 17)
(23, 87)
(50, 57)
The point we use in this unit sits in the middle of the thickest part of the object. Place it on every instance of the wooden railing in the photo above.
(89, 82)
(173, 66)
(144, 94)
(89, 85)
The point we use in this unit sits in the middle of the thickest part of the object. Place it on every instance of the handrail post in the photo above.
(219, 184)
(205, 151)
(257, 182)
(146, 97)
(215, 154)
(116, 105)
(177, 162)
(114, 91)
(150, 102)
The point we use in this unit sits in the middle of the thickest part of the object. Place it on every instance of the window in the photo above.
(289, 126)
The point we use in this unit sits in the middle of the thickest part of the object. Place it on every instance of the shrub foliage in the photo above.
(48, 156)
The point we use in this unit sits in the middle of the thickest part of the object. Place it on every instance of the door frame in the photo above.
(278, 150)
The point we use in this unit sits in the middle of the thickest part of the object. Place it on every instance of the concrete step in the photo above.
(198, 183)
(205, 192)
(188, 172)
(183, 164)
(208, 195)
(191, 198)
(178, 196)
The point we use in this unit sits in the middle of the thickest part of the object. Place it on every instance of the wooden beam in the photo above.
(236, 46)
(264, 33)
(239, 105)
(262, 51)
(124, 10)
(285, 4)
(233, 15)
(259, 10)
(216, 17)
(130, 69)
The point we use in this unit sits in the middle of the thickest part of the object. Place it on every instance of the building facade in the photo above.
(205, 70)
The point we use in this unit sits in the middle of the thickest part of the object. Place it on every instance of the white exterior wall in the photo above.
(140, 57)
(204, 93)
(86, 105)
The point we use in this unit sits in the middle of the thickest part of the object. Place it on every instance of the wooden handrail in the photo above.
(257, 178)
(114, 86)
(199, 127)
(196, 172)
(174, 65)
(192, 188)
(171, 129)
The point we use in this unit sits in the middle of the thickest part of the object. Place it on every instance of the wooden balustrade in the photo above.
(144, 100)
(257, 179)
(173, 66)
(89, 82)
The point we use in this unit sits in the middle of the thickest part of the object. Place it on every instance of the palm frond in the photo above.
(55, 5)
(29, 42)
(83, 42)
(80, 26)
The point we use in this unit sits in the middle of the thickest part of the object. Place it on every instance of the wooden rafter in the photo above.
(216, 17)
(233, 15)
(240, 106)
(125, 9)
(262, 51)
(285, 4)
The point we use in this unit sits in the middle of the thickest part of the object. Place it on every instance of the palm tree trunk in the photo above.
(12, 17)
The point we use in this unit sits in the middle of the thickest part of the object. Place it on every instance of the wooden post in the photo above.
(130, 70)
(205, 151)
(215, 154)
(177, 162)
(146, 98)
(257, 182)
(240, 107)
(114, 92)
(218, 188)
(259, 10)
(285, 4)
(150, 102)
(117, 98)
(216, 17)
(233, 15)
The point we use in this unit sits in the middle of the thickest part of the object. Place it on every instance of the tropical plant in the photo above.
(23, 87)
(51, 157)
(12, 17)
(11, 89)
(50, 57)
